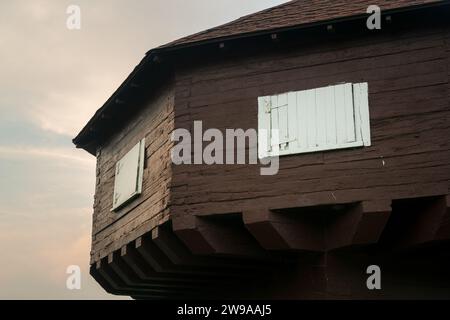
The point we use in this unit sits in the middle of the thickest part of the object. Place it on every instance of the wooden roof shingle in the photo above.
(294, 13)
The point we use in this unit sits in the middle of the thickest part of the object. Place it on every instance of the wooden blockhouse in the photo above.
(364, 159)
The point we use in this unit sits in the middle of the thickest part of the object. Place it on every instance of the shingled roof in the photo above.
(294, 13)
(291, 15)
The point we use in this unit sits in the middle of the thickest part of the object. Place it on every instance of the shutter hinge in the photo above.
(283, 145)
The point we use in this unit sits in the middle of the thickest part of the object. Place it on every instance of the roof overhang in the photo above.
(100, 125)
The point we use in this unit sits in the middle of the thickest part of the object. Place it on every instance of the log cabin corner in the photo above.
(364, 159)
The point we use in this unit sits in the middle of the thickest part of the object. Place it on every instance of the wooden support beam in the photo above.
(179, 254)
(146, 272)
(200, 282)
(119, 286)
(417, 221)
(104, 283)
(185, 227)
(153, 256)
(174, 249)
(443, 231)
(279, 231)
(150, 252)
(361, 224)
(115, 284)
(131, 279)
(308, 230)
(429, 218)
(225, 235)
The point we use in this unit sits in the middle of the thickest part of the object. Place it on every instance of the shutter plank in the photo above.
(264, 125)
(341, 126)
(283, 118)
(274, 119)
(361, 97)
(331, 135)
(311, 117)
(357, 115)
(321, 110)
(302, 120)
(349, 114)
(292, 122)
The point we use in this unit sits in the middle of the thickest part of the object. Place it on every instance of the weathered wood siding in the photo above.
(409, 91)
(111, 230)
(408, 76)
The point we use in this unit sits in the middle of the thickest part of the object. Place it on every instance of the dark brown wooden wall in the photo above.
(112, 230)
(408, 76)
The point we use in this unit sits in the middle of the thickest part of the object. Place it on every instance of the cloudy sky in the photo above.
(51, 81)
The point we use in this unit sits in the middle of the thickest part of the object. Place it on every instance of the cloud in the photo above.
(37, 268)
(45, 226)
(58, 77)
(59, 154)
(52, 81)
(66, 110)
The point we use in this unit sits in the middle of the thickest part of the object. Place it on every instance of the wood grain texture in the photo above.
(112, 230)
(311, 230)
(408, 79)
(408, 76)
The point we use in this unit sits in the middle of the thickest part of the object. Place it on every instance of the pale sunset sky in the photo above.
(52, 80)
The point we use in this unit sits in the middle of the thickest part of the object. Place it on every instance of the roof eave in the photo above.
(80, 139)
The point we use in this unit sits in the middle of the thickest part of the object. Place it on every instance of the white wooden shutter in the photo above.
(129, 175)
(326, 118)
